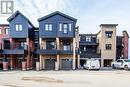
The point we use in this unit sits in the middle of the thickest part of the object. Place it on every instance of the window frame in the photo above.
(65, 30)
(108, 46)
(108, 34)
(18, 27)
(70, 27)
(88, 39)
(6, 30)
(48, 27)
(60, 26)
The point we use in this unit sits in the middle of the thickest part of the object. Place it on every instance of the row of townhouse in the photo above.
(56, 44)
(105, 45)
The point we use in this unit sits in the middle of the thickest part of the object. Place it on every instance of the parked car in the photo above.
(92, 64)
(121, 64)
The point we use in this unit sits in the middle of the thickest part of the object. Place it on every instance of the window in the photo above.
(70, 27)
(108, 46)
(66, 47)
(7, 31)
(48, 27)
(18, 27)
(50, 45)
(0, 31)
(84, 48)
(108, 34)
(65, 27)
(88, 39)
(60, 27)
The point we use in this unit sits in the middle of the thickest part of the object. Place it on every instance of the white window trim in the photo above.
(18, 27)
(48, 27)
(6, 30)
(65, 28)
(60, 26)
(70, 27)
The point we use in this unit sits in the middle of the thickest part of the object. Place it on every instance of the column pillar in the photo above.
(5, 64)
(28, 54)
(102, 62)
(24, 65)
(37, 66)
(74, 56)
(41, 62)
(57, 56)
(40, 56)
(11, 59)
(11, 63)
(78, 64)
(57, 63)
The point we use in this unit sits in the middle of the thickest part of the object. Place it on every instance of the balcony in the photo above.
(88, 43)
(65, 52)
(46, 51)
(13, 51)
(90, 55)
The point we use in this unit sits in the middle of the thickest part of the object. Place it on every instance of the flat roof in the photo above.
(108, 25)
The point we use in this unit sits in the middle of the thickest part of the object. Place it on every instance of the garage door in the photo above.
(66, 64)
(107, 62)
(50, 64)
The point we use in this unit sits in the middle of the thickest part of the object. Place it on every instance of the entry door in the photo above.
(50, 64)
(66, 64)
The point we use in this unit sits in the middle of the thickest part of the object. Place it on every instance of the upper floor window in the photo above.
(50, 45)
(0, 31)
(88, 39)
(108, 34)
(108, 46)
(60, 27)
(65, 27)
(18, 27)
(7, 31)
(70, 27)
(48, 27)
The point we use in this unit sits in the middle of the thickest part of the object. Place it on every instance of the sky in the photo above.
(89, 13)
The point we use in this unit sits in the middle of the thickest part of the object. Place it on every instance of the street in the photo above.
(74, 78)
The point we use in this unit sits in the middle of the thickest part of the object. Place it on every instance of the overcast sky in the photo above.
(90, 13)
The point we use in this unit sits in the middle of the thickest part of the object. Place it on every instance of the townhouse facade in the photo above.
(57, 40)
(18, 47)
(4, 39)
(88, 45)
(56, 44)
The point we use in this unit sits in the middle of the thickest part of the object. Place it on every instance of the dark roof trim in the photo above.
(19, 13)
(87, 34)
(55, 13)
(108, 25)
(4, 24)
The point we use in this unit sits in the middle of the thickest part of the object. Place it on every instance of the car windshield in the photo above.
(127, 60)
